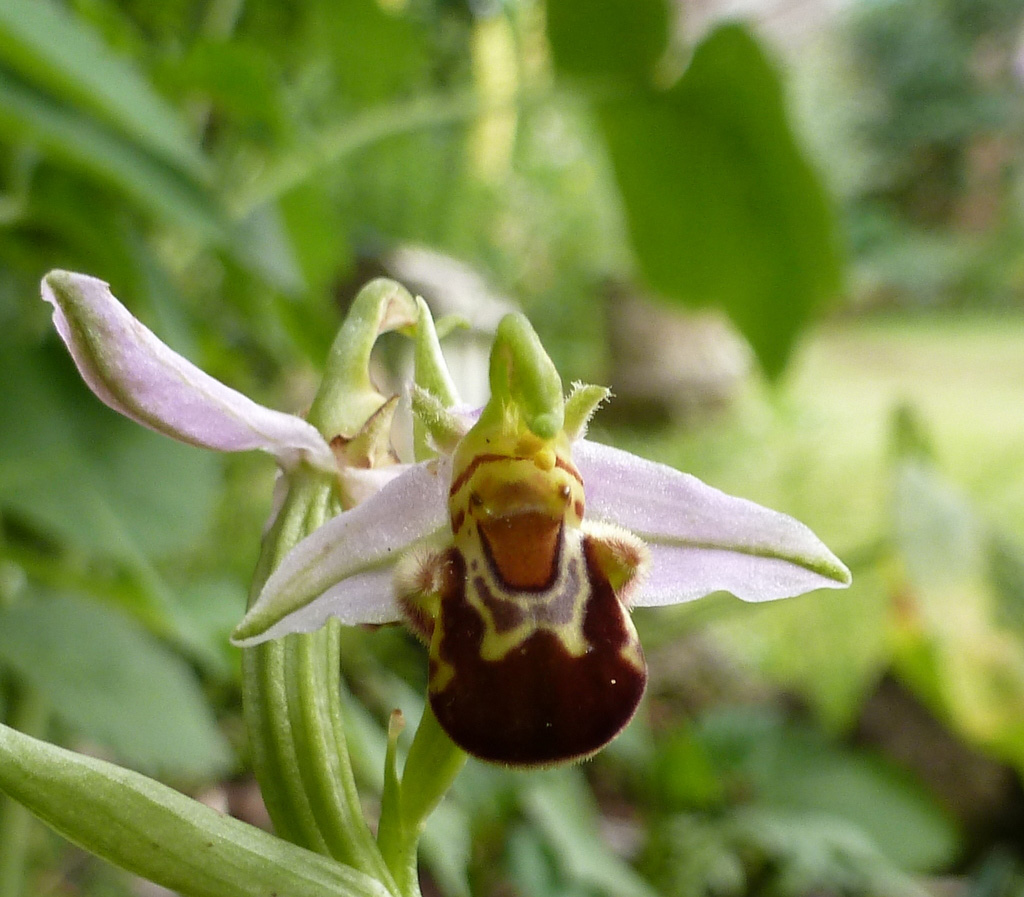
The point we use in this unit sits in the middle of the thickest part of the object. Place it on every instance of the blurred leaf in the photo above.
(684, 775)
(205, 613)
(318, 234)
(110, 680)
(910, 438)
(768, 851)
(829, 647)
(240, 79)
(561, 804)
(690, 855)
(937, 533)
(1006, 571)
(446, 845)
(367, 34)
(617, 37)
(89, 476)
(794, 769)
(723, 208)
(533, 871)
(47, 45)
(82, 141)
(952, 648)
(529, 867)
(262, 244)
(805, 853)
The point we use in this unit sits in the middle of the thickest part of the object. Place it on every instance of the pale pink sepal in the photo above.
(701, 539)
(344, 569)
(364, 598)
(137, 375)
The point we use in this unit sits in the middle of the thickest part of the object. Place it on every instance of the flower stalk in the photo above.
(291, 689)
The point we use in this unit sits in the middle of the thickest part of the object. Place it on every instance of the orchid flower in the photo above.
(517, 554)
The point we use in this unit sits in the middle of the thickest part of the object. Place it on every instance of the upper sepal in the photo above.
(136, 374)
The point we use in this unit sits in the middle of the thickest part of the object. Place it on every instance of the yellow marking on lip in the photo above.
(558, 609)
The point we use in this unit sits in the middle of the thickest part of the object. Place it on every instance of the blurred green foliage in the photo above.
(930, 138)
(228, 164)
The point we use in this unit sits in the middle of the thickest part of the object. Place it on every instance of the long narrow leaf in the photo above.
(160, 834)
(50, 47)
(70, 136)
(88, 660)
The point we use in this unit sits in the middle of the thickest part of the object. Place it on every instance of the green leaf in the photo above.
(789, 768)
(957, 652)
(360, 39)
(45, 44)
(722, 206)
(261, 242)
(621, 37)
(561, 804)
(447, 848)
(159, 834)
(114, 683)
(85, 474)
(86, 143)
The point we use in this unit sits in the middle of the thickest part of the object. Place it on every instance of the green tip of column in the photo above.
(522, 373)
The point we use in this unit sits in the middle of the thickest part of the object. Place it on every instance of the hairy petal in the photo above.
(136, 374)
(701, 539)
(344, 569)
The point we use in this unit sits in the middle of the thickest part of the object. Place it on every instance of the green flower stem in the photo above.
(155, 832)
(292, 709)
(265, 673)
(430, 769)
(29, 713)
(291, 686)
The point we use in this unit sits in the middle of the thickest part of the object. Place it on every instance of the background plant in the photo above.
(229, 165)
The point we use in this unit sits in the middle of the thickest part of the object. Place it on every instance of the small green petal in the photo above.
(583, 401)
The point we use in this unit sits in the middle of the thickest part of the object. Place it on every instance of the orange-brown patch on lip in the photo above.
(523, 548)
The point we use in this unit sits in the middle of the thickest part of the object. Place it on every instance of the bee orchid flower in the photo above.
(517, 555)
